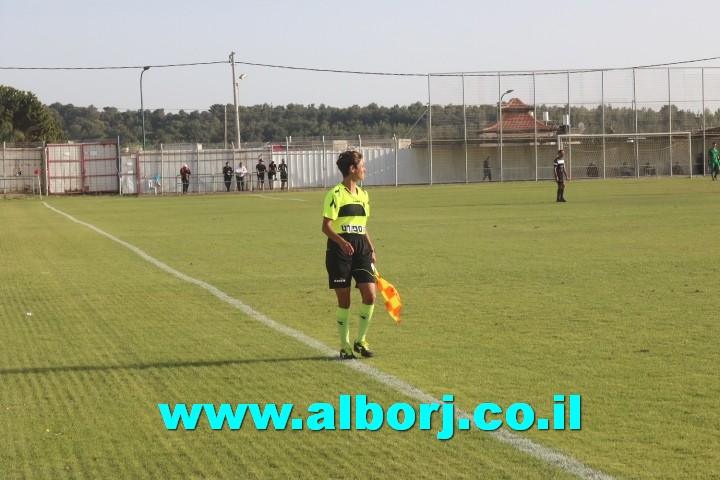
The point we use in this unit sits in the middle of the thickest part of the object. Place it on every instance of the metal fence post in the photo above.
(465, 136)
(429, 134)
(397, 148)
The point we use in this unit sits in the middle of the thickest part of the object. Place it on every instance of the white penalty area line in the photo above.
(516, 441)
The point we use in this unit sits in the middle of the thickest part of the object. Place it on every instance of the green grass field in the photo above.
(509, 297)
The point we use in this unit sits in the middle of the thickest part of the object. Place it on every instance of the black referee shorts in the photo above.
(342, 268)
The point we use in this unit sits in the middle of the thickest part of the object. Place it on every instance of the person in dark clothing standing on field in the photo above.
(560, 175)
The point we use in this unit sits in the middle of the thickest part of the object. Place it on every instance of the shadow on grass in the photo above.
(147, 366)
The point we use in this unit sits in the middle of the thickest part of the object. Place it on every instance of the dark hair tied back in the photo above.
(348, 159)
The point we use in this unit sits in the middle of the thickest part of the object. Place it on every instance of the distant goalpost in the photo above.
(628, 155)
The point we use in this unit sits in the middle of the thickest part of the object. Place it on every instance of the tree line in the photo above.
(258, 123)
(267, 123)
(24, 119)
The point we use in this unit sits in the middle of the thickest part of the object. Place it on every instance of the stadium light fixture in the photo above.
(501, 131)
(142, 106)
(237, 107)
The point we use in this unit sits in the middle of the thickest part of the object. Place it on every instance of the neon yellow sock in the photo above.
(343, 322)
(366, 312)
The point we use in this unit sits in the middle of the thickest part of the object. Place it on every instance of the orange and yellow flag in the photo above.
(391, 296)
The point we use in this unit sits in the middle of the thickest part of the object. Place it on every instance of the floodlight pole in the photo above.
(237, 107)
(501, 132)
(236, 87)
(142, 105)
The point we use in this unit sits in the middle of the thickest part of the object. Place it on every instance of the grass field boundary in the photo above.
(516, 441)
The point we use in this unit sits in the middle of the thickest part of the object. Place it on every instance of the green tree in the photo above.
(24, 119)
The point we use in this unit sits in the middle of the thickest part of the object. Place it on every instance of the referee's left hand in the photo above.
(347, 248)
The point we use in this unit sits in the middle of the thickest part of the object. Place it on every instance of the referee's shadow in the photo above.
(158, 365)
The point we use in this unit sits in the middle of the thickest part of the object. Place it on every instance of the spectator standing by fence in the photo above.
(260, 169)
(283, 174)
(227, 175)
(272, 174)
(240, 173)
(185, 177)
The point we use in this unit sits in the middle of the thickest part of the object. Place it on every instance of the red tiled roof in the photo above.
(516, 118)
(516, 105)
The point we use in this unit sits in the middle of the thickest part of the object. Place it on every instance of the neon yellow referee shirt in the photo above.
(348, 212)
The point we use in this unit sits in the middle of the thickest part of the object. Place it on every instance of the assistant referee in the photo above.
(350, 252)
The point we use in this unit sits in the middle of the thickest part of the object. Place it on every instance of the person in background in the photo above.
(560, 175)
(227, 175)
(272, 173)
(260, 169)
(283, 174)
(240, 173)
(592, 171)
(185, 177)
(487, 170)
(714, 161)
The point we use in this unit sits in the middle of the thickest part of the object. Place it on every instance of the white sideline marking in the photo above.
(538, 451)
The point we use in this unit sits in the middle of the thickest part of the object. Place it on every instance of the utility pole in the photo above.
(235, 99)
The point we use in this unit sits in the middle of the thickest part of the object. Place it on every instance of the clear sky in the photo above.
(391, 36)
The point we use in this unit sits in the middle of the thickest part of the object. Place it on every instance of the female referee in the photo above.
(350, 252)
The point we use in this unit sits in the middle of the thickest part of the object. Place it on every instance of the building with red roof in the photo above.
(519, 122)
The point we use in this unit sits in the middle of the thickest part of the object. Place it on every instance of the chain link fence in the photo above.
(506, 125)
(483, 126)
